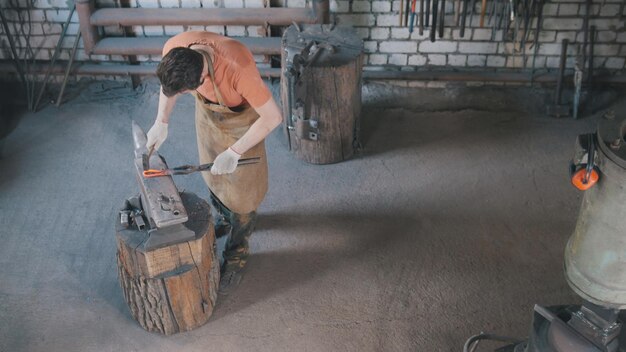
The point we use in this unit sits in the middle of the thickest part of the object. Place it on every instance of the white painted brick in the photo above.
(381, 6)
(387, 20)
(606, 36)
(38, 15)
(436, 59)
(377, 59)
(362, 32)
(621, 37)
(571, 36)
(236, 31)
(256, 31)
(476, 60)
(398, 47)
(356, 20)
(173, 30)
(599, 62)
(552, 62)
(478, 48)
(149, 4)
(113, 31)
(563, 24)
(614, 63)
(50, 28)
(609, 10)
(361, 6)
(340, 6)
(253, 4)
(551, 49)
(437, 47)
(400, 33)
(216, 29)
(193, 4)
(170, 3)
(194, 28)
(42, 4)
(605, 50)
(514, 62)
(296, 3)
(482, 34)
(417, 60)
(547, 36)
(457, 60)
(210, 4)
(568, 9)
(416, 34)
(379, 33)
(153, 31)
(370, 46)
(233, 4)
(606, 23)
(59, 3)
(496, 61)
(549, 9)
(398, 59)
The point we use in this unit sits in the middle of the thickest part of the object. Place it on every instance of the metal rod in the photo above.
(55, 56)
(559, 82)
(67, 70)
(592, 41)
(85, 9)
(536, 48)
(433, 30)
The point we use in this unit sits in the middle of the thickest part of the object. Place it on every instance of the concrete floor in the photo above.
(450, 221)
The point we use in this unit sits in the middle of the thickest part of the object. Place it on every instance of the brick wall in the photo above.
(388, 45)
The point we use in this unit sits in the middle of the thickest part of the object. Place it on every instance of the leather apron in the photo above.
(217, 128)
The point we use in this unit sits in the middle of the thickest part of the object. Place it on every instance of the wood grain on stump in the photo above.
(173, 288)
(329, 91)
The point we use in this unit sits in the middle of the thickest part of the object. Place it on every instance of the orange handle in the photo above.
(580, 181)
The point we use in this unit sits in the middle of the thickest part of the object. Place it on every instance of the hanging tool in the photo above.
(536, 48)
(427, 14)
(442, 16)
(457, 12)
(473, 9)
(407, 9)
(558, 109)
(421, 18)
(592, 40)
(585, 32)
(578, 83)
(433, 30)
(401, 8)
(188, 169)
(483, 9)
(463, 17)
(412, 16)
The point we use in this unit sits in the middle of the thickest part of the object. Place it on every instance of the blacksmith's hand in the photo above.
(157, 135)
(226, 162)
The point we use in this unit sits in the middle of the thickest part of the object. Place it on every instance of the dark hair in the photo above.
(180, 70)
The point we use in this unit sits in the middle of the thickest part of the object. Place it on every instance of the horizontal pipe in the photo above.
(201, 17)
(476, 76)
(154, 45)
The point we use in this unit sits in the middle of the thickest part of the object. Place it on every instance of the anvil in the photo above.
(160, 200)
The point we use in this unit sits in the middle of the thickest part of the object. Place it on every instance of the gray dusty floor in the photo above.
(448, 223)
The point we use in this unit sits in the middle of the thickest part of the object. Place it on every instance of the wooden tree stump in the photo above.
(173, 288)
(321, 91)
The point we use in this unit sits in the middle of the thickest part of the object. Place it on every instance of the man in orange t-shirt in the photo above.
(235, 111)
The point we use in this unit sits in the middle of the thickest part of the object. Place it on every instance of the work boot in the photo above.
(230, 279)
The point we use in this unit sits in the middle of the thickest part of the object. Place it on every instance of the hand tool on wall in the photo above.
(457, 12)
(472, 10)
(578, 83)
(427, 14)
(401, 8)
(483, 9)
(536, 44)
(421, 17)
(433, 29)
(557, 109)
(188, 169)
(442, 16)
(412, 16)
(463, 17)
(407, 9)
(585, 32)
(592, 41)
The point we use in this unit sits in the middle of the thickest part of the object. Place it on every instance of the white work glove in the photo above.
(156, 135)
(226, 162)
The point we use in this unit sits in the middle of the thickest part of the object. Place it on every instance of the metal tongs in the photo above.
(188, 169)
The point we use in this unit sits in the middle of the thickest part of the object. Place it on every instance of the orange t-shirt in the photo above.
(236, 74)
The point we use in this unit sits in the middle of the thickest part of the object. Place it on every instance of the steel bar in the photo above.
(463, 18)
(483, 9)
(536, 44)
(407, 10)
(433, 30)
(55, 56)
(592, 41)
(427, 13)
(67, 70)
(442, 17)
(421, 17)
(585, 32)
(202, 16)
